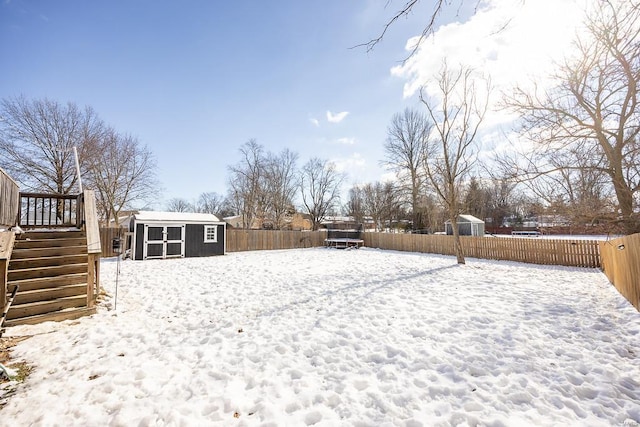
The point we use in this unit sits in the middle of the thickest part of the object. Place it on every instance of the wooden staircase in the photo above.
(51, 269)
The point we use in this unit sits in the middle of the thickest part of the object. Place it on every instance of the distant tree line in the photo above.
(264, 187)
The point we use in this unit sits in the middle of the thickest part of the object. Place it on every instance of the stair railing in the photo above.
(89, 217)
(50, 210)
(9, 196)
(6, 246)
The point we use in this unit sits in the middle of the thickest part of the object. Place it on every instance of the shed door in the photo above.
(163, 241)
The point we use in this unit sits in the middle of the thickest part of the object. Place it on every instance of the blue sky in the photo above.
(195, 80)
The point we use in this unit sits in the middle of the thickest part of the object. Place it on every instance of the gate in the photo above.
(163, 241)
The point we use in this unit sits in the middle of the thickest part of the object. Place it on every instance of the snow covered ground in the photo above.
(337, 337)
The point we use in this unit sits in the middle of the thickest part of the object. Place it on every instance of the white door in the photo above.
(163, 241)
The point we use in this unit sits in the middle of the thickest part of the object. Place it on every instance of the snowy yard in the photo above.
(329, 337)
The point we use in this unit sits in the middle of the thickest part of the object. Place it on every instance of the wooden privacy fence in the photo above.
(576, 253)
(261, 240)
(621, 264)
(9, 197)
(238, 240)
(106, 240)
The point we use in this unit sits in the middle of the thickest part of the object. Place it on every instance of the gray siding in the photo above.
(195, 245)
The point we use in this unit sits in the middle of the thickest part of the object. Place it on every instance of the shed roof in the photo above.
(175, 217)
(467, 218)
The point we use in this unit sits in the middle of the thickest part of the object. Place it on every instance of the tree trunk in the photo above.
(625, 202)
(457, 245)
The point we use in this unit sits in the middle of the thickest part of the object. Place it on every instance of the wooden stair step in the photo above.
(51, 234)
(43, 307)
(49, 243)
(51, 271)
(48, 252)
(48, 294)
(51, 261)
(58, 316)
(48, 282)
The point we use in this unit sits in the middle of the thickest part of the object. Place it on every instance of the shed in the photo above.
(176, 235)
(468, 225)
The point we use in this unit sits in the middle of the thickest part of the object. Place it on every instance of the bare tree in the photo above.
(452, 152)
(406, 150)
(574, 186)
(246, 184)
(355, 204)
(37, 139)
(501, 200)
(122, 172)
(409, 7)
(594, 109)
(320, 187)
(281, 185)
(178, 204)
(210, 202)
(381, 202)
(476, 198)
(405, 11)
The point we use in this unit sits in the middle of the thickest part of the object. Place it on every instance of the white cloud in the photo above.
(346, 141)
(512, 42)
(336, 117)
(347, 164)
(389, 177)
(315, 122)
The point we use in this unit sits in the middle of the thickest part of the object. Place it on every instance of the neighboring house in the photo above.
(297, 221)
(300, 221)
(468, 225)
(233, 221)
(340, 223)
(123, 219)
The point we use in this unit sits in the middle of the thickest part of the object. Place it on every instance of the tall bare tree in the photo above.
(246, 182)
(355, 204)
(320, 184)
(37, 140)
(457, 113)
(476, 198)
(593, 110)
(501, 200)
(281, 181)
(381, 202)
(122, 172)
(406, 150)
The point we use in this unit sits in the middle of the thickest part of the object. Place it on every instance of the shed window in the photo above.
(210, 233)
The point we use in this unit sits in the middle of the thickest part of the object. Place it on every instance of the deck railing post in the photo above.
(6, 246)
(3, 282)
(9, 199)
(90, 219)
(79, 211)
